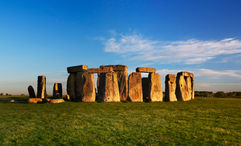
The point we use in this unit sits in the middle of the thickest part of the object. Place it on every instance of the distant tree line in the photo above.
(217, 94)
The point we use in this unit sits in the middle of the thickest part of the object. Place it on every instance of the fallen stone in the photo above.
(57, 90)
(145, 69)
(74, 69)
(170, 88)
(34, 100)
(71, 86)
(135, 87)
(41, 92)
(56, 100)
(31, 92)
(85, 87)
(108, 87)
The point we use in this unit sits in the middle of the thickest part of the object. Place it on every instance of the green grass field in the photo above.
(203, 121)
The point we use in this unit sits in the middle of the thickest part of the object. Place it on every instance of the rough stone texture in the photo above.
(100, 70)
(74, 69)
(135, 87)
(71, 86)
(56, 100)
(155, 90)
(185, 86)
(116, 68)
(145, 89)
(34, 100)
(122, 78)
(108, 87)
(145, 69)
(170, 88)
(57, 91)
(85, 87)
(41, 92)
(31, 92)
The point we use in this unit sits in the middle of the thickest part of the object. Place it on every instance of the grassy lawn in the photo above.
(203, 121)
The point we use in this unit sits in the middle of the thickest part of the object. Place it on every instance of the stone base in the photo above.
(56, 100)
(34, 100)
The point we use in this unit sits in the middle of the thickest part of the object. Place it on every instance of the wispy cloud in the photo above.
(207, 73)
(191, 51)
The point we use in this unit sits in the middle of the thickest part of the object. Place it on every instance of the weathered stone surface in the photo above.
(100, 70)
(135, 87)
(122, 78)
(116, 68)
(170, 88)
(145, 69)
(31, 92)
(71, 86)
(34, 100)
(108, 87)
(145, 89)
(57, 91)
(74, 69)
(41, 92)
(155, 88)
(85, 87)
(185, 86)
(56, 100)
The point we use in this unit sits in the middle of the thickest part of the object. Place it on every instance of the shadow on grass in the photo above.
(13, 99)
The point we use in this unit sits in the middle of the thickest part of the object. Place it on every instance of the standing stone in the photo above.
(41, 93)
(108, 87)
(85, 87)
(155, 90)
(135, 87)
(71, 86)
(123, 85)
(57, 91)
(31, 92)
(185, 90)
(170, 88)
(145, 89)
(192, 82)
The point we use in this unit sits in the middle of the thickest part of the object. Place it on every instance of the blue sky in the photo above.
(44, 37)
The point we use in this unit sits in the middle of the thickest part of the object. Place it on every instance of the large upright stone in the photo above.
(155, 89)
(41, 92)
(170, 88)
(85, 87)
(57, 91)
(108, 87)
(135, 87)
(122, 77)
(185, 86)
(31, 92)
(71, 86)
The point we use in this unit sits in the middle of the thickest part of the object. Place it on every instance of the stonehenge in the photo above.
(114, 85)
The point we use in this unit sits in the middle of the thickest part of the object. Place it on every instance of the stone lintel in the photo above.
(79, 68)
(100, 70)
(185, 74)
(145, 69)
(116, 68)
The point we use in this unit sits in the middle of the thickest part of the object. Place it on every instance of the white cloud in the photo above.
(213, 74)
(191, 51)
